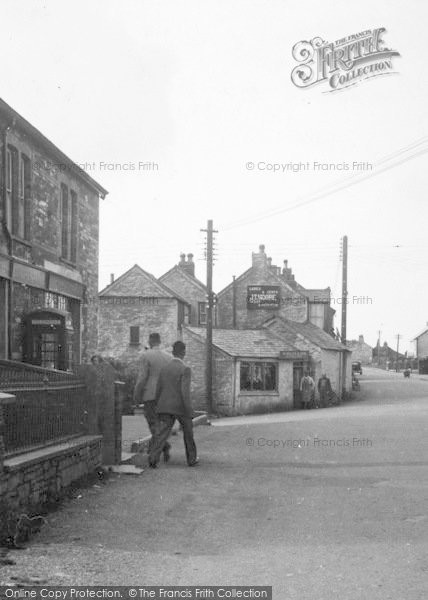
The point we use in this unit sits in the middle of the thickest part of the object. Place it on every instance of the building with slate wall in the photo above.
(49, 219)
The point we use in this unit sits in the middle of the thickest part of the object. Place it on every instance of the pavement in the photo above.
(325, 504)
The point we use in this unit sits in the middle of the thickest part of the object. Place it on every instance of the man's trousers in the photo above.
(165, 425)
(152, 419)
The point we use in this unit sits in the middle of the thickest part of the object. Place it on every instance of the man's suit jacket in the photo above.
(152, 362)
(173, 390)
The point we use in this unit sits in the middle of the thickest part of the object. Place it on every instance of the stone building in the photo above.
(421, 343)
(325, 354)
(265, 290)
(133, 306)
(181, 279)
(361, 351)
(49, 219)
(252, 370)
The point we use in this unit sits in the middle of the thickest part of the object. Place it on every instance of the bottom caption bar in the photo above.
(148, 592)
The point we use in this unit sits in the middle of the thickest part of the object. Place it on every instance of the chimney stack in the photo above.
(187, 265)
(259, 258)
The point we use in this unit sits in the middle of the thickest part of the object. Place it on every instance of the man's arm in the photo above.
(141, 381)
(185, 391)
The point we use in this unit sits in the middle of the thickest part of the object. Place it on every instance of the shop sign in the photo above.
(262, 296)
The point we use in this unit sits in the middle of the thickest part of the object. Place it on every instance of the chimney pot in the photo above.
(269, 261)
(262, 248)
(285, 264)
(190, 258)
(111, 278)
(182, 258)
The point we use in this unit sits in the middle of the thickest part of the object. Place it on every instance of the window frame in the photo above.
(134, 340)
(202, 313)
(263, 365)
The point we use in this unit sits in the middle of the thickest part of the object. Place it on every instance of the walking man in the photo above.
(173, 402)
(145, 389)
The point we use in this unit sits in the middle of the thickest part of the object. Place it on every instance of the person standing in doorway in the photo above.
(173, 402)
(145, 389)
(324, 390)
(307, 387)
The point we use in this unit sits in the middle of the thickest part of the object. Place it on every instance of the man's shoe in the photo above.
(153, 465)
(194, 463)
(166, 455)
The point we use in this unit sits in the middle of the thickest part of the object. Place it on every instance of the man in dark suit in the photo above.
(173, 402)
(145, 389)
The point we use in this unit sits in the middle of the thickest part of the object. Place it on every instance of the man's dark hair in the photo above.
(154, 339)
(178, 348)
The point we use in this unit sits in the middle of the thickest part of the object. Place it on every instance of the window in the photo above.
(134, 335)
(18, 174)
(68, 224)
(258, 376)
(53, 300)
(202, 313)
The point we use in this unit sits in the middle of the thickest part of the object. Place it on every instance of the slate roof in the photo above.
(316, 335)
(162, 290)
(186, 275)
(316, 295)
(421, 333)
(50, 146)
(254, 343)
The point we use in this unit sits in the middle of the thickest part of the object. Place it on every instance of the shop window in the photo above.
(202, 313)
(258, 376)
(69, 223)
(134, 335)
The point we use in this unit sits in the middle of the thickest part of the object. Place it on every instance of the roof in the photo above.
(275, 278)
(316, 295)
(186, 275)
(22, 123)
(138, 282)
(425, 330)
(251, 343)
(291, 330)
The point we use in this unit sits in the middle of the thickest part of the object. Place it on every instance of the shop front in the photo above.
(48, 339)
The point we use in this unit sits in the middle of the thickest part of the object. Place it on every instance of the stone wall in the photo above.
(32, 480)
(189, 290)
(117, 316)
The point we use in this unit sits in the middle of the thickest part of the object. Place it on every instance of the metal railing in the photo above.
(49, 407)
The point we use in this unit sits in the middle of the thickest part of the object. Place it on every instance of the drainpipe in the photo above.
(9, 283)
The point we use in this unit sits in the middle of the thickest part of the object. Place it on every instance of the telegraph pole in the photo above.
(398, 336)
(378, 347)
(344, 287)
(210, 303)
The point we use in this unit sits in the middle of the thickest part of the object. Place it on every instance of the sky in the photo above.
(167, 103)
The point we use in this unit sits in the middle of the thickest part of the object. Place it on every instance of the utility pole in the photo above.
(210, 303)
(398, 346)
(344, 306)
(344, 287)
(378, 347)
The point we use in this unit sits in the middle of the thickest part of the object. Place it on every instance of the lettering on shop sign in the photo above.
(262, 296)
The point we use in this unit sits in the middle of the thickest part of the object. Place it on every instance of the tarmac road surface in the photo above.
(322, 505)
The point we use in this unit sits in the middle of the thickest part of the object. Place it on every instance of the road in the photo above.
(322, 505)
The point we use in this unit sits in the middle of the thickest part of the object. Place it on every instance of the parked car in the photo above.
(356, 367)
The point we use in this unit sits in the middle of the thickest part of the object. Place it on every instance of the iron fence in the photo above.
(49, 407)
